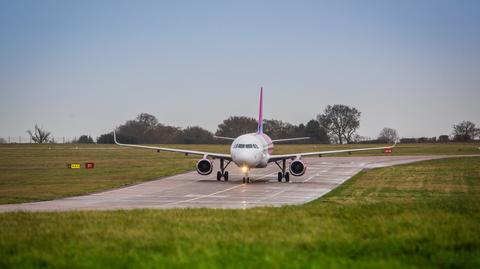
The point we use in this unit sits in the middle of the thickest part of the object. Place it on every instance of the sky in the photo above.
(84, 67)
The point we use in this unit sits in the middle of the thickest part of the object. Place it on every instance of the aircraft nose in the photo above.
(244, 157)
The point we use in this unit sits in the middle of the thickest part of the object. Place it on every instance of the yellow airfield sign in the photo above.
(74, 166)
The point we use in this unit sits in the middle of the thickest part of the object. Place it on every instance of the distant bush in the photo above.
(443, 138)
(408, 140)
(108, 139)
(84, 139)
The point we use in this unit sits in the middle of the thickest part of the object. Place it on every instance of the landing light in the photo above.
(244, 169)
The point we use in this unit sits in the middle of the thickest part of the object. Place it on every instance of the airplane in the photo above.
(253, 150)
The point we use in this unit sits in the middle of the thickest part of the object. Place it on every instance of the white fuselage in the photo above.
(251, 150)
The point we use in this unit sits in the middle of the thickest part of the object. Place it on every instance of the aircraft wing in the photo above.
(289, 139)
(186, 152)
(223, 137)
(274, 158)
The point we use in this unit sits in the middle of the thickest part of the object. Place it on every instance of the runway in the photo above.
(190, 190)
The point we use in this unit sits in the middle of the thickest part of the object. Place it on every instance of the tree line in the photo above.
(145, 129)
(337, 124)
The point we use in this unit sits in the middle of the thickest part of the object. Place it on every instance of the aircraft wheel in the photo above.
(219, 175)
(225, 175)
(248, 180)
(280, 176)
(243, 180)
(287, 177)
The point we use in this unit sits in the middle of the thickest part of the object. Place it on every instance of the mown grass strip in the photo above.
(389, 218)
(38, 172)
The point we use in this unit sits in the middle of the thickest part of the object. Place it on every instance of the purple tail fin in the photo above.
(260, 113)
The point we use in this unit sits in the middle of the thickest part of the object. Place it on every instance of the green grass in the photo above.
(38, 172)
(421, 215)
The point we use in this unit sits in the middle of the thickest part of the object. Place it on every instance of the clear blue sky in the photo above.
(83, 67)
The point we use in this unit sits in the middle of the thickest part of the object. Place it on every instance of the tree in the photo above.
(340, 121)
(443, 138)
(465, 131)
(2, 140)
(106, 138)
(141, 129)
(147, 120)
(388, 135)
(39, 135)
(235, 126)
(163, 134)
(316, 133)
(84, 139)
(278, 129)
(196, 135)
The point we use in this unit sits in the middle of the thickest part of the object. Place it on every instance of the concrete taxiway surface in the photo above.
(193, 190)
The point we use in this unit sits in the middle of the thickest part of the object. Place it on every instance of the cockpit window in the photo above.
(248, 146)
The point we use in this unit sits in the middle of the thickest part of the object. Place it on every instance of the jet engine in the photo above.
(297, 168)
(204, 167)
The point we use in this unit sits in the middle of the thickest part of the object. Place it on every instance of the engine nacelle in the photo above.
(204, 167)
(297, 168)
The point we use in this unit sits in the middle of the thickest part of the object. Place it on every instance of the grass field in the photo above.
(38, 172)
(421, 215)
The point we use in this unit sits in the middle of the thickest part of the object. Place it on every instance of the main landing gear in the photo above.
(222, 172)
(283, 174)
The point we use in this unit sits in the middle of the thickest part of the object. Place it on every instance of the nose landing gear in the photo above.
(246, 178)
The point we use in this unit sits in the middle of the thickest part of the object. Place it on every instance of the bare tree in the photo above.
(388, 135)
(39, 135)
(465, 131)
(341, 122)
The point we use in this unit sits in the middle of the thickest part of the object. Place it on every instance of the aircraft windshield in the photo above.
(248, 146)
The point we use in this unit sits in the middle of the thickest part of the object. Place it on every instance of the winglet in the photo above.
(115, 137)
(260, 113)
